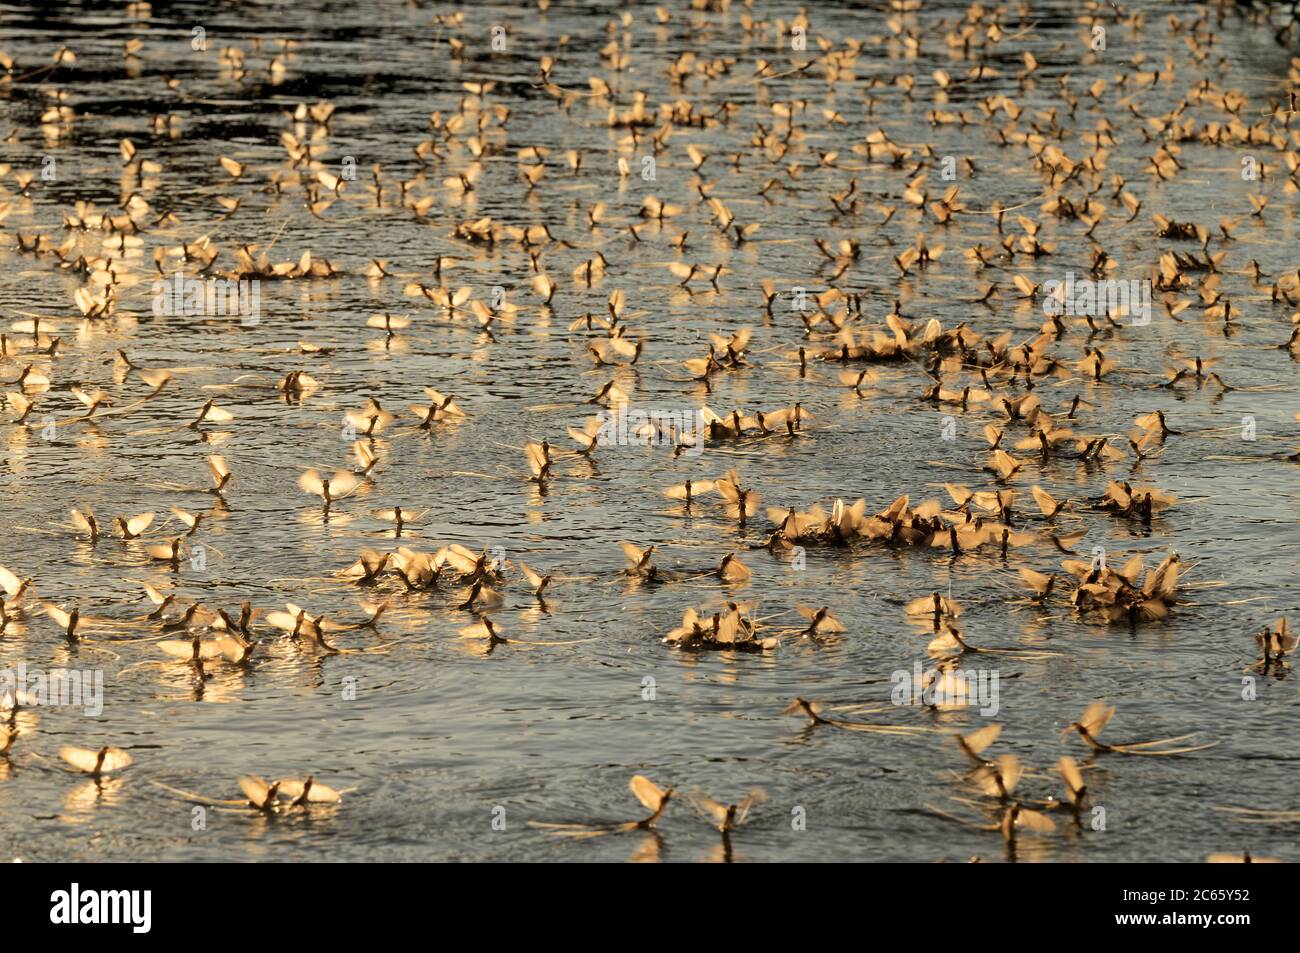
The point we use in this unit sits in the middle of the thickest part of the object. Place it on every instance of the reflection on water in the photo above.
(444, 735)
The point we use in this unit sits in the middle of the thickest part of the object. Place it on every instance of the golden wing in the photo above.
(57, 614)
(709, 808)
(282, 620)
(217, 466)
(1132, 569)
(255, 789)
(1046, 503)
(1010, 768)
(746, 804)
(138, 524)
(229, 649)
(343, 482)
(1035, 821)
(189, 519)
(1096, 716)
(162, 551)
(289, 787)
(977, 741)
(534, 579)
(1036, 581)
(647, 792)
(83, 522)
(319, 793)
(9, 582)
(1071, 774)
(115, 759)
(83, 759)
(735, 571)
(311, 482)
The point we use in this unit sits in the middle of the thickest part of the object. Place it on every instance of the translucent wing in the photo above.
(324, 794)
(1096, 717)
(255, 789)
(1046, 503)
(1010, 768)
(647, 792)
(1036, 581)
(83, 759)
(177, 648)
(83, 521)
(343, 483)
(138, 524)
(534, 579)
(748, 803)
(58, 615)
(715, 812)
(1071, 774)
(1133, 569)
(1035, 821)
(282, 620)
(319, 793)
(977, 741)
(735, 571)
(229, 649)
(162, 551)
(189, 519)
(115, 759)
(9, 582)
(311, 482)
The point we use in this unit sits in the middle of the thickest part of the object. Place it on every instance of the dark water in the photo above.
(440, 735)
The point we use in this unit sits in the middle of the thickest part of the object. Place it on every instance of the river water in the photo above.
(439, 739)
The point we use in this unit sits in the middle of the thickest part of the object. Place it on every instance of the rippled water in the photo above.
(439, 735)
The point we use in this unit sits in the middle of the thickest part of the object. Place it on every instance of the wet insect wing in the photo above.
(1096, 717)
(257, 790)
(283, 620)
(219, 469)
(232, 650)
(719, 815)
(1070, 773)
(11, 584)
(61, 619)
(648, 793)
(342, 483)
(634, 555)
(91, 762)
(177, 648)
(85, 522)
(1039, 582)
(136, 525)
(83, 759)
(1034, 821)
(977, 741)
(316, 792)
(311, 482)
